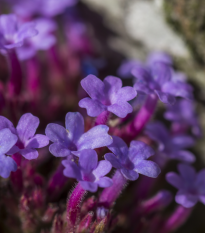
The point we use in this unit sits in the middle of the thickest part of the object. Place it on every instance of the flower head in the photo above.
(170, 146)
(183, 113)
(106, 95)
(49, 8)
(191, 185)
(12, 33)
(43, 41)
(89, 172)
(157, 78)
(7, 141)
(133, 160)
(72, 139)
(25, 132)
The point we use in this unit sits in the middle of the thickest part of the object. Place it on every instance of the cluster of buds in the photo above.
(109, 136)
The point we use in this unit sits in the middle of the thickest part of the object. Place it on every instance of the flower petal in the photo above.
(119, 148)
(5, 123)
(7, 165)
(147, 168)
(183, 155)
(38, 141)
(89, 186)
(95, 138)
(88, 160)
(139, 151)
(29, 153)
(166, 97)
(74, 123)
(187, 172)
(104, 182)
(113, 160)
(7, 140)
(94, 87)
(58, 134)
(120, 109)
(58, 150)
(93, 107)
(27, 126)
(102, 169)
(174, 179)
(183, 141)
(129, 174)
(72, 170)
(186, 199)
(112, 86)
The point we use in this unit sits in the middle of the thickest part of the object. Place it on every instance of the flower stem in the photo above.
(177, 219)
(16, 77)
(109, 195)
(74, 206)
(103, 118)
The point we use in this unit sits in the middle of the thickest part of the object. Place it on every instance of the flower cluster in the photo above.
(51, 70)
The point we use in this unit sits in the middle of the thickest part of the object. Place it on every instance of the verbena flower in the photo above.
(29, 8)
(183, 113)
(12, 33)
(25, 131)
(170, 146)
(133, 160)
(191, 185)
(43, 41)
(89, 172)
(157, 78)
(72, 139)
(106, 95)
(7, 141)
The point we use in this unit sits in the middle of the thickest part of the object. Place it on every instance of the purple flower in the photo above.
(171, 146)
(126, 67)
(183, 113)
(7, 141)
(72, 139)
(89, 172)
(191, 185)
(133, 160)
(12, 33)
(27, 140)
(29, 8)
(106, 95)
(43, 41)
(157, 78)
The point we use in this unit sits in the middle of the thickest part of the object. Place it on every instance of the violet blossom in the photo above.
(106, 95)
(133, 160)
(157, 78)
(43, 41)
(184, 115)
(170, 146)
(89, 172)
(72, 139)
(27, 142)
(13, 33)
(191, 185)
(49, 8)
(7, 141)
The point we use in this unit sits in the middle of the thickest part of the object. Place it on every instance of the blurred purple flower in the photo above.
(50, 8)
(171, 146)
(7, 141)
(106, 95)
(89, 172)
(12, 33)
(133, 160)
(183, 113)
(157, 79)
(27, 140)
(43, 41)
(191, 185)
(72, 139)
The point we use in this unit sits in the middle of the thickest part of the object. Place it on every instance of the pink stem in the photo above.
(109, 195)
(102, 118)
